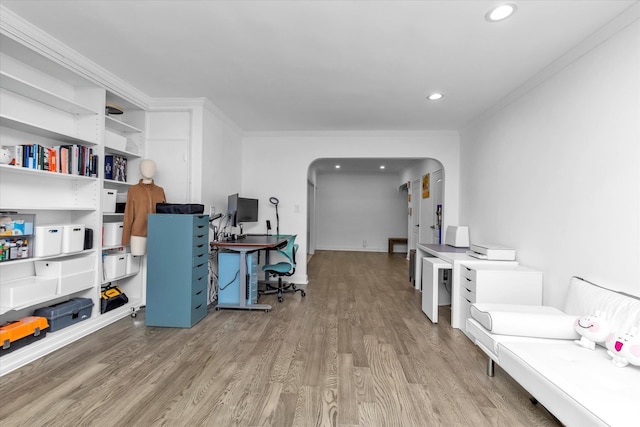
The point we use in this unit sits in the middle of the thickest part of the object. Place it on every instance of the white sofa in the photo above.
(536, 346)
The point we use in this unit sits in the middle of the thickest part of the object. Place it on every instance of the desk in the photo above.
(250, 243)
(458, 258)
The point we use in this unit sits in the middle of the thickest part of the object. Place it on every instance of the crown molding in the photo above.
(33, 38)
(353, 134)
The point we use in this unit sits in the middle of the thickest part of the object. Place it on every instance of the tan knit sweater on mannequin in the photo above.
(141, 201)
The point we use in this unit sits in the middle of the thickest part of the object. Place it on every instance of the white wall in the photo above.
(168, 142)
(356, 207)
(555, 174)
(276, 164)
(221, 165)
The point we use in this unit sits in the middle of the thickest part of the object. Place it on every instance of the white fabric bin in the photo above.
(115, 266)
(133, 263)
(48, 240)
(72, 238)
(109, 200)
(112, 233)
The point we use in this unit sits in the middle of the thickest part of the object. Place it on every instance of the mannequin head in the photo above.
(147, 169)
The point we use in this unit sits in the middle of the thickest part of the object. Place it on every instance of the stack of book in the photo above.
(67, 159)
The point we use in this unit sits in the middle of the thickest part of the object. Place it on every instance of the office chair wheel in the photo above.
(303, 293)
(280, 298)
(134, 315)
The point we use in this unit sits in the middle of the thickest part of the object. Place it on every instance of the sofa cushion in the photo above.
(525, 320)
(579, 386)
(490, 343)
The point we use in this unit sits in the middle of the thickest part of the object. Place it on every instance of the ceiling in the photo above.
(324, 65)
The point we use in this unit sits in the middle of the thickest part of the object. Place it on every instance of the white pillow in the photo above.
(525, 320)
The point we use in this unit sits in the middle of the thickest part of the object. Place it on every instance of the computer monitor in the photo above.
(241, 210)
(247, 210)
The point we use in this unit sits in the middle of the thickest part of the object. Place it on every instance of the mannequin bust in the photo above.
(147, 170)
(141, 201)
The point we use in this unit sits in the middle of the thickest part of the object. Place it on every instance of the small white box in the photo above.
(109, 200)
(112, 233)
(133, 263)
(115, 266)
(72, 238)
(48, 240)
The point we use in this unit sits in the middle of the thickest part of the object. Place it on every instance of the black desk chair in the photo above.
(282, 269)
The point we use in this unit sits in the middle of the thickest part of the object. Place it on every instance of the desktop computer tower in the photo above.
(229, 278)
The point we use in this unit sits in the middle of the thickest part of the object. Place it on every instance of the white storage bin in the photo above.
(48, 240)
(72, 275)
(75, 282)
(26, 291)
(133, 263)
(115, 266)
(65, 267)
(112, 234)
(72, 238)
(109, 200)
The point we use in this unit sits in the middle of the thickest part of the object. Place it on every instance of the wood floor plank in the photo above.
(356, 351)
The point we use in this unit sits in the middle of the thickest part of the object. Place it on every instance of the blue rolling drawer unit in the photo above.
(177, 269)
(229, 281)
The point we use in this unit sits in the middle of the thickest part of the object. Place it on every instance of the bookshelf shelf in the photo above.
(119, 152)
(21, 87)
(48, 174)
(34, 129)
(120, 126)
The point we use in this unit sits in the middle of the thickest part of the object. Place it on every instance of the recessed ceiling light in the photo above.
(501, 12)
(381, 166)
(337, 166)
(435, 96)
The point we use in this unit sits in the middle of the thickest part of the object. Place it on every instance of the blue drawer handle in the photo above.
(200, 265)
(198, 306)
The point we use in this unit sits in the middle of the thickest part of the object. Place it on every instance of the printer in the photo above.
(492, 252)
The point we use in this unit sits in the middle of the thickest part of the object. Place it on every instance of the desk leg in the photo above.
(418, 267)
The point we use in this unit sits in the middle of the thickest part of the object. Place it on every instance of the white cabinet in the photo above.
(512, 284)
(48, 107)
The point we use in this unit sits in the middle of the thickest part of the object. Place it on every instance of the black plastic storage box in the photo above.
(66, 313)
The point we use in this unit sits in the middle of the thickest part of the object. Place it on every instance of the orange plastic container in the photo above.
(21, 328)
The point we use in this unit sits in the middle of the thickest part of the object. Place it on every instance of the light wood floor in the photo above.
(357, 351)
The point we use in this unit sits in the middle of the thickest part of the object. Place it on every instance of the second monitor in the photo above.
(242, 209)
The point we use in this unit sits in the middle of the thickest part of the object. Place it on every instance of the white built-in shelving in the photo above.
(47, 104)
